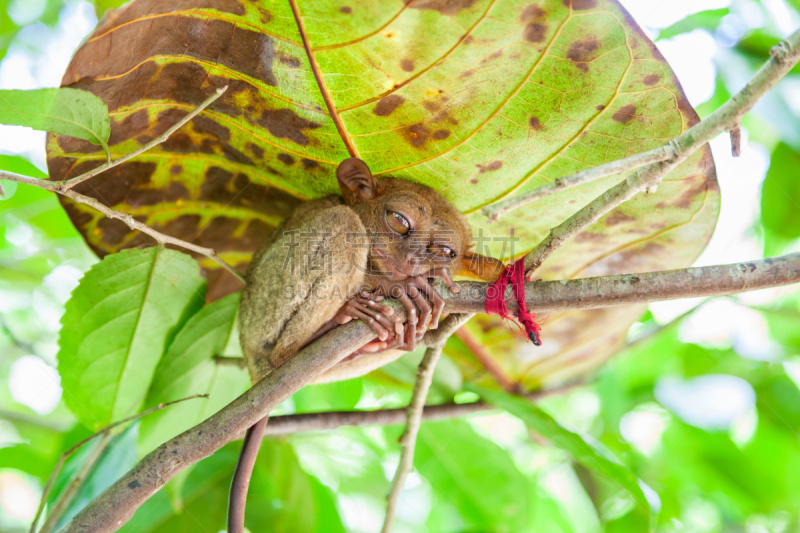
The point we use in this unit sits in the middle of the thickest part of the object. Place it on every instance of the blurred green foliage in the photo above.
(488, 472)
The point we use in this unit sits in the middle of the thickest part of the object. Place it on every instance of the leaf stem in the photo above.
(326, 95)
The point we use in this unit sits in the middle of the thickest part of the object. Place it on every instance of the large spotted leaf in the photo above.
(480, 99)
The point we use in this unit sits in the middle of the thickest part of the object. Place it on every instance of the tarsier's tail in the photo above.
(237, 499)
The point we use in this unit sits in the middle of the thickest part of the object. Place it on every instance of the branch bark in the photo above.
(784, 56)
(326, 421)
(408, 440)
(414, 412)
(118, 503)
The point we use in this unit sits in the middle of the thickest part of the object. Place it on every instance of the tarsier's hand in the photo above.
(423, 305)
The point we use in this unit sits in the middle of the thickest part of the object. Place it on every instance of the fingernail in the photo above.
(456, 289)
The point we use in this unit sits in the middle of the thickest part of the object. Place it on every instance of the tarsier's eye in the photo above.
(398, 223)
(441, 251)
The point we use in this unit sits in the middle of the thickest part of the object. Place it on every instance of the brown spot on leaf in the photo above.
(309, 164)
(494, 165)
(208, 39)
(175, 169)
(346, 10)
(445, 7)
(286, 124)
(407, 65)
(286, 159)
(474, 181)
(600, 107)
(491, 57)
(417, 134)
(128, 127)
(535, 123)
(587, 236)
(581, 51)
(532, 12)
(535, 32)
(651, 79)
(469, 39)
(618, 217)
(440, 135)
(624, 114)
(431, 106)
(388, 104)
(256, 150)
(207, 126)
(288, 60)
(467, 73)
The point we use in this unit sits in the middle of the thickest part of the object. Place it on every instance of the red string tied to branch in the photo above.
(496, 300)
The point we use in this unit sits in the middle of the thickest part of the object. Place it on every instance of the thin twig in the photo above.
(644, 179)
(62, 505)
(414, 413)
(330, 420)
(784, 56)
(65, 189)
(70, 183)
(736, 140)
(498, 209)
(409, 438)
(127, 218)
(72, 488)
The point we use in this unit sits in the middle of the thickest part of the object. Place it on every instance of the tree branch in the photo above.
(610, 291)
(128, 219)
(408, 440)
(784, 56)
(70, 183)
(64, 188)
(72, 489)
(326, 421)
(644, 179)
(414, 412)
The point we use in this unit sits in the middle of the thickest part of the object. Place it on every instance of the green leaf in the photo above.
(780, 193)
(65, 111)
(708, 20)
(116, 326)
(188, 368)
(474, 475)
(583, 448)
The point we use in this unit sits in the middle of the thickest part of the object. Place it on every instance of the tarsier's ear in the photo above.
(481, 267)
(355, 181)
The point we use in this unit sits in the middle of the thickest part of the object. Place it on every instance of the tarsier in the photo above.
(334, 260)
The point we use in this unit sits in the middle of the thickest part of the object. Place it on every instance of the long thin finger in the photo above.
(385, 310)
(422, 303)
(433, 296)
(383, 334)
(452, 286)
(411, 324)
(375, 314)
